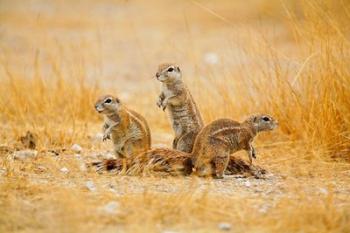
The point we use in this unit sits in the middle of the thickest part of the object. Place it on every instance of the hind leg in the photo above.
(186, 141)
(204, 170)
(175, 141)
(220, 163)
(134, 147)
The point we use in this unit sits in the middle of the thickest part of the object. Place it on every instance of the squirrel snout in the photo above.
(98, 109)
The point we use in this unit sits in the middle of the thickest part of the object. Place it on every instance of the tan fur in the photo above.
(221, 138)
(182, 109)
(128, 130)
(157, 160)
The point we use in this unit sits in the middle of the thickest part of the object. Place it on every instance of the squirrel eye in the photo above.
(266, 119)
(108, 101)
(171, 69)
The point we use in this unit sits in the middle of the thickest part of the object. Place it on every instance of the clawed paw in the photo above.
(161, 104)
(254, 155)
(106, 137)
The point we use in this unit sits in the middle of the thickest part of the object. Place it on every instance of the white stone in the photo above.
(82, 167)
(111, 207)
(76, 148)
(263, 209)
(247, 184)
(323, 191)
(25, 154)
(90, 186)
(224, 226)
(211, 58)
(64, 170)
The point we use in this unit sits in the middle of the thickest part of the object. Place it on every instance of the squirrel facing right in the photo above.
(221, 138)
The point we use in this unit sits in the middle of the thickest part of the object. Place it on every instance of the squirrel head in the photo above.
(107, 104)
(168, 73)
(262, 122)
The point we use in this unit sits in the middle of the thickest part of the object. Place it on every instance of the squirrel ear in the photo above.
(178, 69)
(117, 100)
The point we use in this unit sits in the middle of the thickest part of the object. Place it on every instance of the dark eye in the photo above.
(108, 101)
(266, 119)
(171, 69)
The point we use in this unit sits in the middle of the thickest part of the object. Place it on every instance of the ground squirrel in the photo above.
(219, 139)
(185, 118)
(129, 130)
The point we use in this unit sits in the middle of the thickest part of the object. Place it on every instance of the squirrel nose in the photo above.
(157, 74)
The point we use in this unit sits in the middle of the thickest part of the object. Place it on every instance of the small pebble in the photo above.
(90, 186)
(224, 226)
(247, 184)
(323, 191)
(263, 209)
(82, 167)
(76, 148)
(211, 58)
(64, 170)
(41, 168)
(111, 208)
(25, 154)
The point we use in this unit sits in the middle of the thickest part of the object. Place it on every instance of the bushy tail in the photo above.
(156, 160)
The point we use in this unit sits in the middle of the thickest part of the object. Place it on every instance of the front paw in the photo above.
(164, 106)
(254, 155)
(106, 136)
(160, 102)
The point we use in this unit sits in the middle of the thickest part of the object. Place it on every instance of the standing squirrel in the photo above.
(184, 115)
(219, 139)
(211, 152)
(128, 130)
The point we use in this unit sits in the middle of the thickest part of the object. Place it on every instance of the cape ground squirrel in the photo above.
(211, 152)
(185, 118)
(219, 139)
(129, 130)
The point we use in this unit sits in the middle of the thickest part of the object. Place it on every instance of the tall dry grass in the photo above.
(300, 74)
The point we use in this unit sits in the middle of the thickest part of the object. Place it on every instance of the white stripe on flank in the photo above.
(224, 129)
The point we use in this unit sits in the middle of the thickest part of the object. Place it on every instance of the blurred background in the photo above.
(290, 59)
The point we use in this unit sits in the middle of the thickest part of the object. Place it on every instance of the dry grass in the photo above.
(288, 60)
